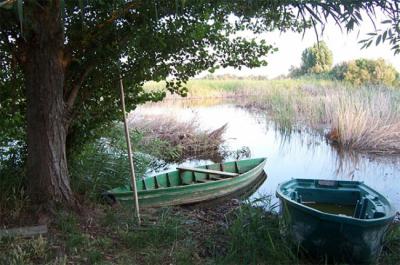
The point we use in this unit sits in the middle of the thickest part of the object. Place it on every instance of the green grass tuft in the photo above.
(254, 237)
(391, 246)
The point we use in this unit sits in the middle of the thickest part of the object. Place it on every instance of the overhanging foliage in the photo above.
(156, 40)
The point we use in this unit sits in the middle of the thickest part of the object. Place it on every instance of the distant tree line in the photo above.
(317, 61)
(233, 76)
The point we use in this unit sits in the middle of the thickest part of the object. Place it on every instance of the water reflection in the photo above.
(294, 154)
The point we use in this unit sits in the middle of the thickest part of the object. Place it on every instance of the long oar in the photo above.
(128, 143)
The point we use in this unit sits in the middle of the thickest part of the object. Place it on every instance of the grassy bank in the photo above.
(366, 119)
(227, 234)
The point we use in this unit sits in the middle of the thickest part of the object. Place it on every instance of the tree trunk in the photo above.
(47, 172)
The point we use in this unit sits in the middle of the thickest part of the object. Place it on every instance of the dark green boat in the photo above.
(193, 185)
(341, 220)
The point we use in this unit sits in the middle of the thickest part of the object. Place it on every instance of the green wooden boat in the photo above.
(192, 185)
(341, 220)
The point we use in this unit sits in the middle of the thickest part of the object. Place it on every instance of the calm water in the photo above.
(298, 155)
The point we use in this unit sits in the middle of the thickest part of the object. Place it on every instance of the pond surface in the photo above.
(300, 154)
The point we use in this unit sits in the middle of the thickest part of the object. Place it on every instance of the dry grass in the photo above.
(295, 104)
(365, 122)
(366, 119)
(186, 138)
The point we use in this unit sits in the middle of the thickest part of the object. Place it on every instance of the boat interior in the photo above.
(349, 201)
(198, 175)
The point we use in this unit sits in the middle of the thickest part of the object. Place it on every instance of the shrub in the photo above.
(366, 71)
(339, 70)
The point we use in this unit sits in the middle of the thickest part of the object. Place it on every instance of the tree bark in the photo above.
(47, 171)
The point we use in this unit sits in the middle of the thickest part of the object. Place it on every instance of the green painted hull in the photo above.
(341, 220)
(184, 187)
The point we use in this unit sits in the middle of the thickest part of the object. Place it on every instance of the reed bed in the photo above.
(365, 119)
(231, 88)
(185, 137)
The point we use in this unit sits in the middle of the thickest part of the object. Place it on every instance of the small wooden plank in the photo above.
(28, 231)
(181, 182)
(168, 180)
(237, 167)
(207, 175)
(193, 177)
(208, 171)
(156, 182)
(144, 185)
(216, 178)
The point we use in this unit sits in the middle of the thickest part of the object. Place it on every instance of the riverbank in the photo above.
(230, 233)
(363, 119)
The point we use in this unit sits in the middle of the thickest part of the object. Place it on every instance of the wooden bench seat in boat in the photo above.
(209, 171)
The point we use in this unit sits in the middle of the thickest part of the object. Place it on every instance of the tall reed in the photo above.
(366, 119)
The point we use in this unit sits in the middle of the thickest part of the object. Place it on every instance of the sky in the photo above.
(344, 46)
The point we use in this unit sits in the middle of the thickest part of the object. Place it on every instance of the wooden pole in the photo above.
(128, 143)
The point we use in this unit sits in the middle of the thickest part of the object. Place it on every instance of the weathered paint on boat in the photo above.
(187, 187)
(356, 239)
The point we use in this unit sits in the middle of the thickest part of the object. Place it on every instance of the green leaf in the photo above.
(378, 40)
(358, 15)
(389, 21)
(384, 36)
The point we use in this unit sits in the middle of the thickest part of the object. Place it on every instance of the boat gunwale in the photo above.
(389, 214)
(183, 187)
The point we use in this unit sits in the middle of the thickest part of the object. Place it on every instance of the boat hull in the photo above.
(338, 237)
(195, 193)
